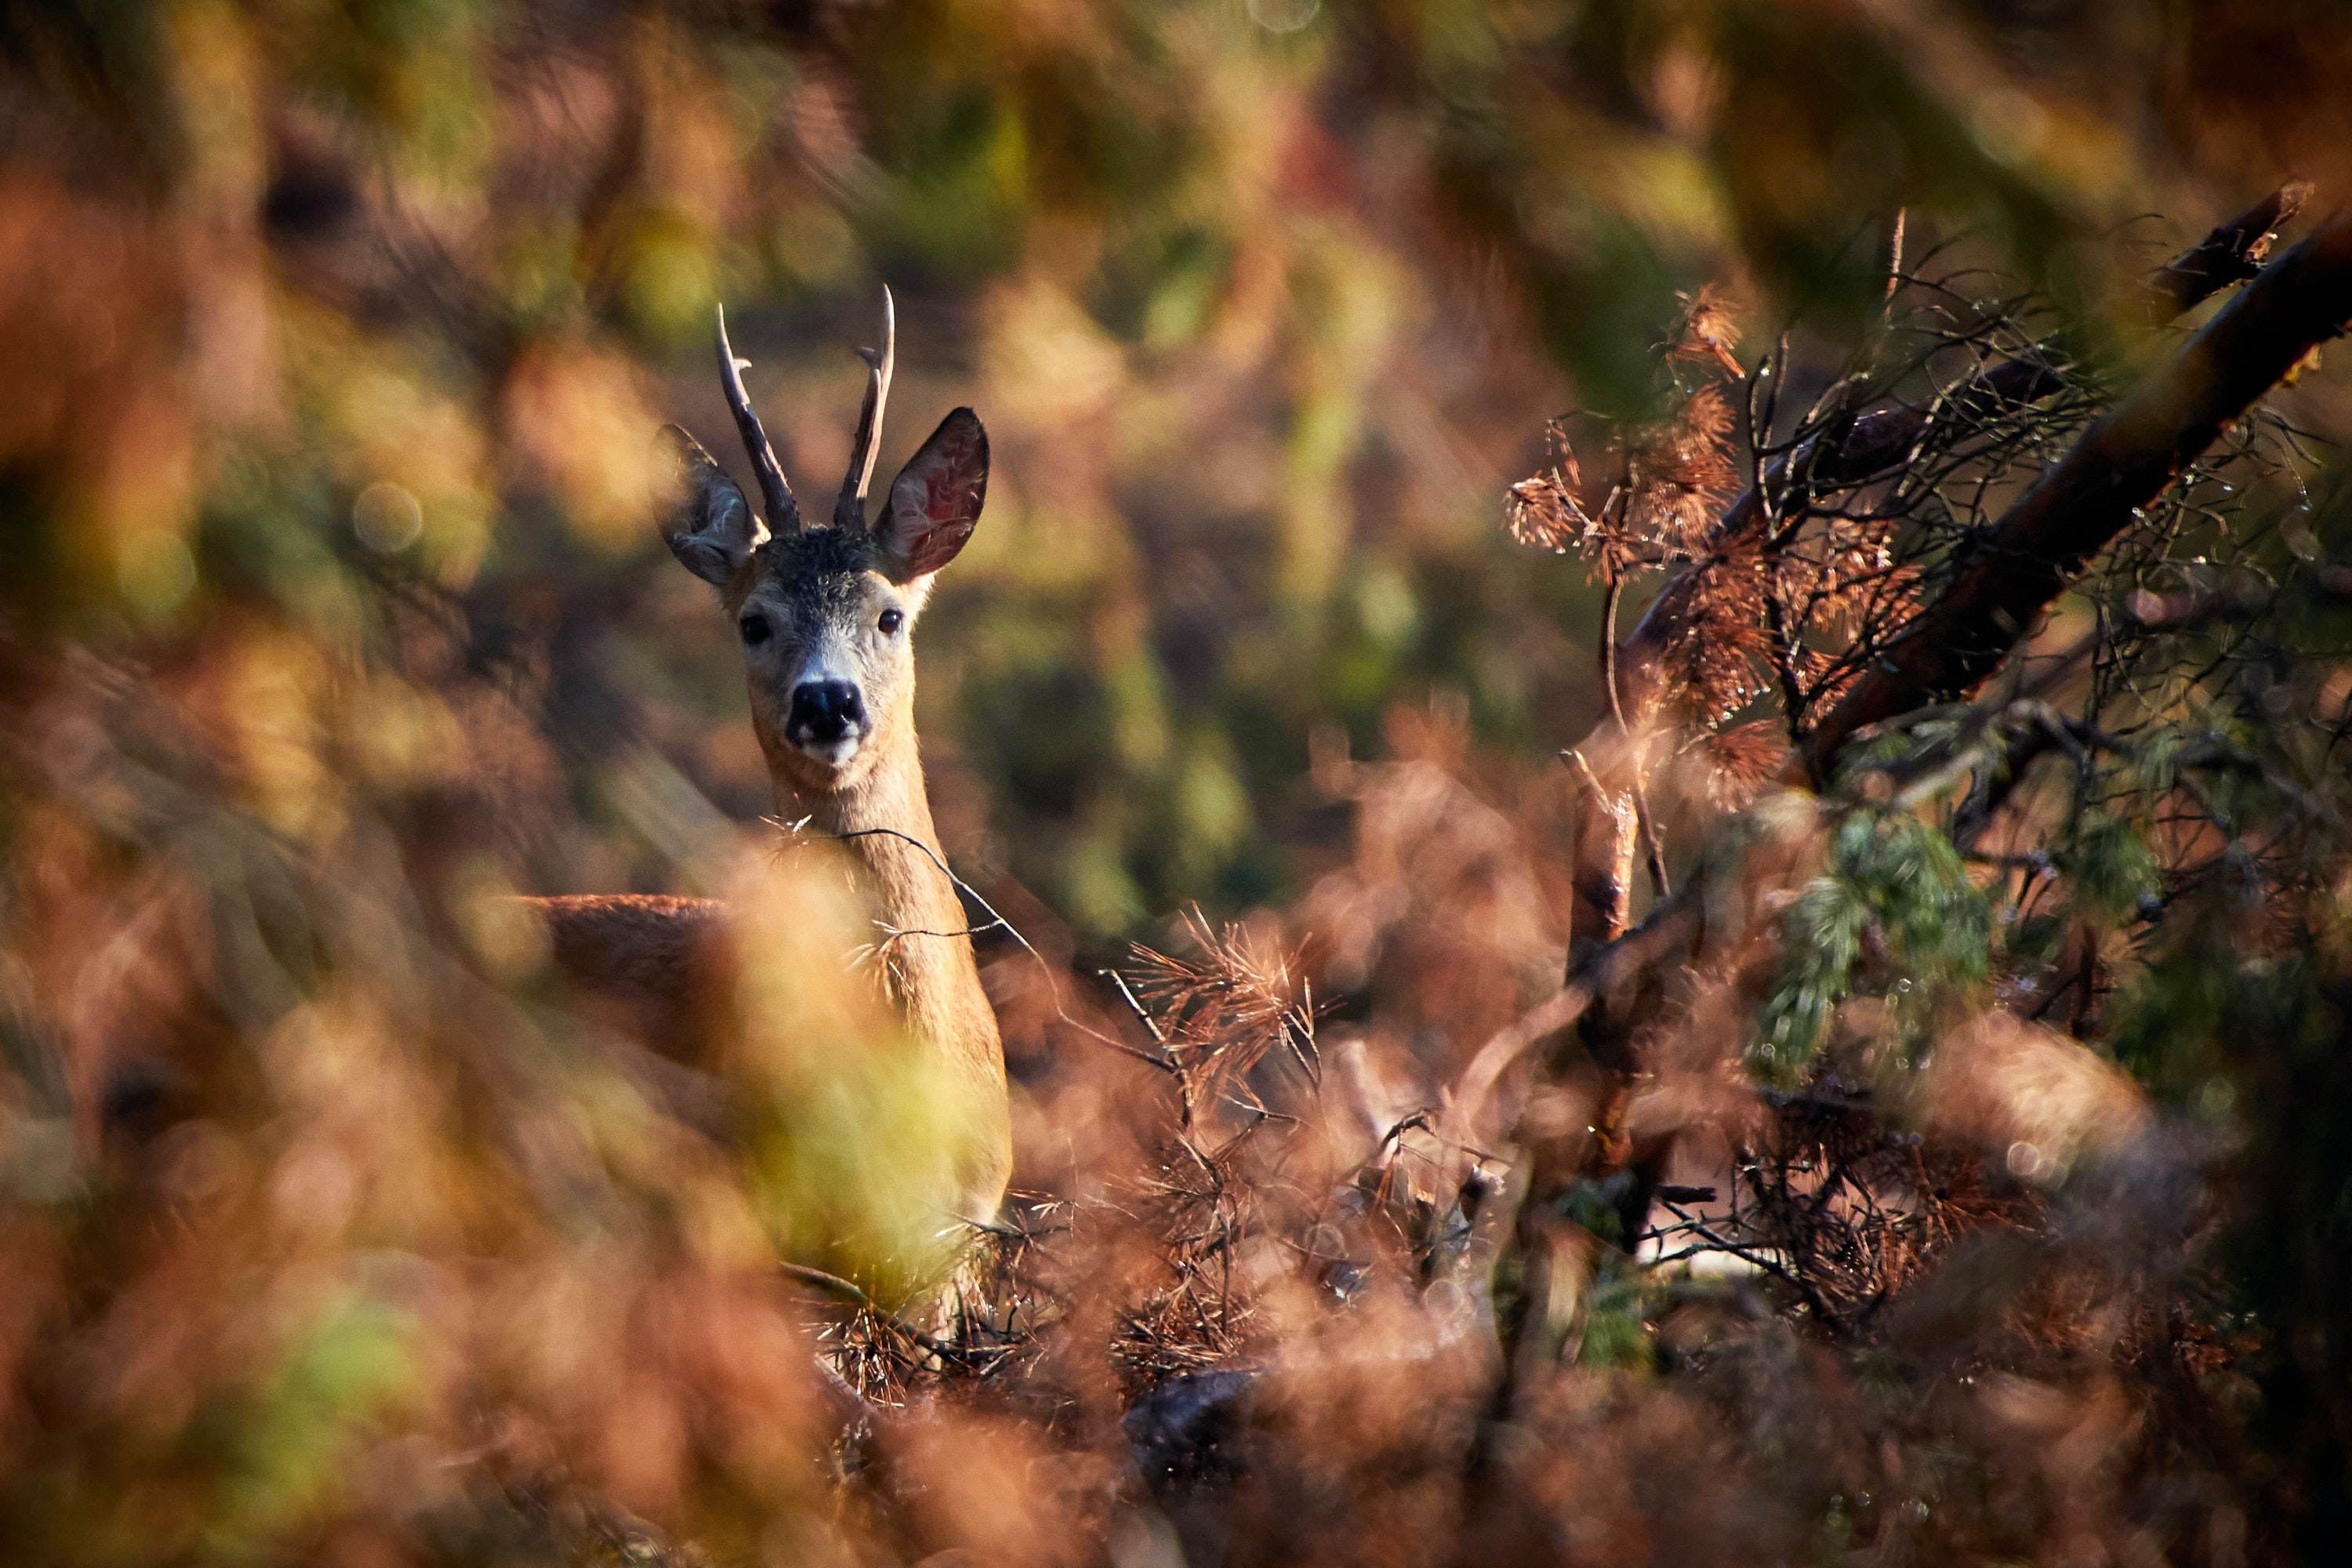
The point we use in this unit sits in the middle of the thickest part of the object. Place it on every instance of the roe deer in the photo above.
(824, 612)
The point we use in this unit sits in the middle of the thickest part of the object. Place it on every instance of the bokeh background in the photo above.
(1264, 303)
(334, 342)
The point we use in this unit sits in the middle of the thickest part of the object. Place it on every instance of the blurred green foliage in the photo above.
(1895, 878)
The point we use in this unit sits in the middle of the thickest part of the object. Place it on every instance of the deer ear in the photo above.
(935, 501)
(710, 528)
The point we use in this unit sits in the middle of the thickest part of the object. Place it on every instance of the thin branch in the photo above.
(995, 923)
(850, 1294)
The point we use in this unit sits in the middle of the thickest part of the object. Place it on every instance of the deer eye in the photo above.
(755, 630)
(891, 621)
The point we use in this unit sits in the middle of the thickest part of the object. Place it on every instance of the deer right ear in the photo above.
(710, 528)
(935, 501)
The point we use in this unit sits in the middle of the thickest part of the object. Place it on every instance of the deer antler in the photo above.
(850, 511)
(784, 512)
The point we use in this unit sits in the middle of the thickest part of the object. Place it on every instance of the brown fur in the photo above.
(645, 957)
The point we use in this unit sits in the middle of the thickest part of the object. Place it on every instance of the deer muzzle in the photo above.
(827, 720)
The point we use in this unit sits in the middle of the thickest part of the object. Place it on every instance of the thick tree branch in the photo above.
(1880, 440)
(2003, 583)
(2230, 254)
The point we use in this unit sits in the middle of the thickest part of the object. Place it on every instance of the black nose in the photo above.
(824, 710)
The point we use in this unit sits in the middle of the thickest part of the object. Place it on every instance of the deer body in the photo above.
(825, 613)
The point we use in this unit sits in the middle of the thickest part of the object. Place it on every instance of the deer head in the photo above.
(825, 611)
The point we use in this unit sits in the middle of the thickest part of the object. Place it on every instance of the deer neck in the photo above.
(883, 817)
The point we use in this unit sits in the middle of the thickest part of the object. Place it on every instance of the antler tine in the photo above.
(850, 511)
(784, 512)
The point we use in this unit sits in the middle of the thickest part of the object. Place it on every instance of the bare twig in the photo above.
(2126, 459)
(995, 923)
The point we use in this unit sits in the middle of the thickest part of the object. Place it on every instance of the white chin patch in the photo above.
(832, 753)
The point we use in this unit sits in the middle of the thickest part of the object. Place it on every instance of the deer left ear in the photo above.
(710, 529)
(935, 501)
